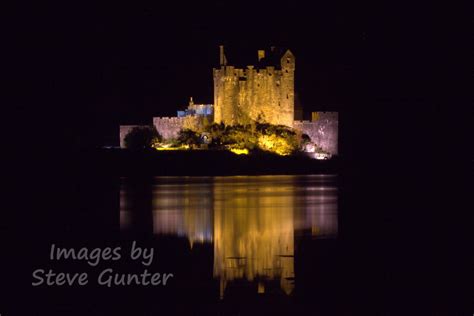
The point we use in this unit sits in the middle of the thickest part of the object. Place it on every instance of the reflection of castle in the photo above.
(264, 92)
(253, 233)
(251, 221)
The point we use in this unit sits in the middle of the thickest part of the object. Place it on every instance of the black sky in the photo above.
(91, 68)
(102, 66)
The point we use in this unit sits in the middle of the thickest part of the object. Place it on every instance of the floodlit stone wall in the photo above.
(245, 95)
(168, 127)
(323, 130)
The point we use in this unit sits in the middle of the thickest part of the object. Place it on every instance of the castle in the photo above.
(263, 92)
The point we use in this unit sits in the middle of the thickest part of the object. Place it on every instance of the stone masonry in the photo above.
(262, 94)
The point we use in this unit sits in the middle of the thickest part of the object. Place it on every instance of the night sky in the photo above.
(96, 67)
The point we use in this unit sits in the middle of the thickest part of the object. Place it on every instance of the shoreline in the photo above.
(201, 163)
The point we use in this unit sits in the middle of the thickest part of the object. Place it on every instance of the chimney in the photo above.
(261, 54)
(222, 59)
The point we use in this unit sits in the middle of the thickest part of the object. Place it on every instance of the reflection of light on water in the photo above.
(320, 211)
(250, 220)
(253, 229)
(125, 212)
(183, 210)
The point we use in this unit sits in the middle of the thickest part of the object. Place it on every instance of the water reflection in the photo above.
(252, 221)
(183, 209)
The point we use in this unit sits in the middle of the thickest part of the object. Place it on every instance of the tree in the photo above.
(189, 137)
(142, 137)
(216, 132)
(278, 139)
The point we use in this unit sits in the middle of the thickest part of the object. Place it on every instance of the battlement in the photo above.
(233, 73)
(167, 118)
(263, 92)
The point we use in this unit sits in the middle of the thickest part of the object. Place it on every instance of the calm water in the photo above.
(246, 245)
(254, 225)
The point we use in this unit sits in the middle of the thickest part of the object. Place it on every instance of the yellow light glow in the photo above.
(184, 147)
(250, 221)
(275, 144)
(168, 148)
(253, 239)
(239, 151)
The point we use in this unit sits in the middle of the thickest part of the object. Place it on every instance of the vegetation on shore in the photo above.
(142, 137)
(239, 139)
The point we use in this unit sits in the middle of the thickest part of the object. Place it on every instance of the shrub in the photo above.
(142, 137)
(188, 137)
(278, 139)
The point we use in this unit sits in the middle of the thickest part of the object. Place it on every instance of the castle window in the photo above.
(287, 60)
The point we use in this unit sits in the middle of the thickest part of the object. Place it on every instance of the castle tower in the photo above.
(264, 92)
(287, 90)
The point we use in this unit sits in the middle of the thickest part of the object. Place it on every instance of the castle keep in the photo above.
(264, 94)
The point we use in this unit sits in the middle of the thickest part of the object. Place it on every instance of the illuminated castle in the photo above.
(261, 94)
(264, 93)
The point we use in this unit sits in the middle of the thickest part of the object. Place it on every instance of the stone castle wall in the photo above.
(124, 130)
(323, 130)
(197, 122)
(168, 127)
(245, 95)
